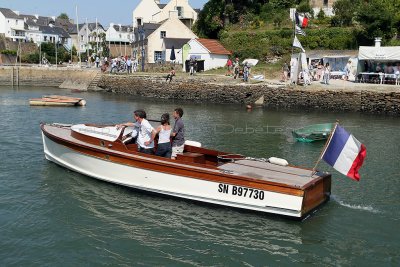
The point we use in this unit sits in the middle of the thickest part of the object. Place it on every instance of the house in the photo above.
(56, 35)
(151, 11)
(12, 25)
(325, 5)
(214, 54)
(33, 32)
(84, 35)
(120, 37)
(154, 34)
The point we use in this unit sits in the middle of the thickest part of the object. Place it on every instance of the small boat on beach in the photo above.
(315, 132)
(200, 174)
(57, 100)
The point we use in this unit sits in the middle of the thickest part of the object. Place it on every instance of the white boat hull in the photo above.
(173, 185)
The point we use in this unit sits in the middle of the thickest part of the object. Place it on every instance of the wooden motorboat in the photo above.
(198, 174)
(315, 132)
(57, 100)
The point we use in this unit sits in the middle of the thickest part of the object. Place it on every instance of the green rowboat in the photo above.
(315, 132)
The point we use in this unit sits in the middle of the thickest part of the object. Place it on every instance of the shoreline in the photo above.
(339, 95)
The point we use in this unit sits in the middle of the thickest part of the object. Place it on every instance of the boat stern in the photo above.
(317, 193)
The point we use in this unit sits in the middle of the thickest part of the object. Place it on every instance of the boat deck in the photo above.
(270, 172)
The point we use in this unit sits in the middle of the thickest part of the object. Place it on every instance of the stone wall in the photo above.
(213, 89)
(45, 77)
(201, 89)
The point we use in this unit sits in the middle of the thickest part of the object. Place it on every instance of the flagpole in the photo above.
(324, 148)
(294, 27)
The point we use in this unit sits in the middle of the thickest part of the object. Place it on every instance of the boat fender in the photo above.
(82, 102)
(192, 143)
(278, 161)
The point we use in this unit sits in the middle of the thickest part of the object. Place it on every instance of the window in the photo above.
(157, 56)
(16, 22)
(180, 11)
(163, 34)
(82, 38)
(139, 21)
(326, 3)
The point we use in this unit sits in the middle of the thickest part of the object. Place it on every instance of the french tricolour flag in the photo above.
(345, 153)
(302, 21)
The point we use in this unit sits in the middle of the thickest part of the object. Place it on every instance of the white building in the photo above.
(11, 25)
(56, 35)
(211, 51)
(153, 43)
(151, 11)
(88, 34)
(119, 38)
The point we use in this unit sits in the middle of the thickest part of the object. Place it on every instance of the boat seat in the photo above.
(192, 157)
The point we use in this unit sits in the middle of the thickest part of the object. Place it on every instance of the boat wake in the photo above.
(354, 206)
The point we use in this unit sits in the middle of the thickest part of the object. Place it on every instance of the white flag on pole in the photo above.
(296, 43)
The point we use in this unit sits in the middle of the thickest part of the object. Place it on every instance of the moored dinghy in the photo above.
(199, 173)
(57, 100)
(315, 132)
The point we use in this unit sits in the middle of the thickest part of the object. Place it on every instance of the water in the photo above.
(50, 216)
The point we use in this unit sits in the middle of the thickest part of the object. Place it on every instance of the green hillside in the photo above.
(262, 29)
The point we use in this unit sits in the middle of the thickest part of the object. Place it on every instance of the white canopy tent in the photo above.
(370, 57)
(382, 54)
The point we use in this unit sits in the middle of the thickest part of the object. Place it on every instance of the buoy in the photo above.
(278, 161)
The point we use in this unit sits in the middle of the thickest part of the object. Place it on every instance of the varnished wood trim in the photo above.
(317, 193)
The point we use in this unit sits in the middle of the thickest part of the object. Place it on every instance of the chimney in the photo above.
(16, 12)
(54, 18)
(157, 2)
(378, 41)
(36, 16)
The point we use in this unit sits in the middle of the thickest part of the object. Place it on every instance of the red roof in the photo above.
(214, 46)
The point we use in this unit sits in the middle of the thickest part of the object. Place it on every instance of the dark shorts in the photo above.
(149, 151)
(164, 150)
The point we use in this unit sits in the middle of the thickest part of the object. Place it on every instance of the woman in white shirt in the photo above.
(164, 148)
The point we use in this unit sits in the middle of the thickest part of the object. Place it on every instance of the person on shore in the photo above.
(396, 71)
(113, 66)
(164, 148)
(246, 72)
(285, 72)
(236, 68)
(320, 68)
(178, 133)
(347, 70)
(229, 64)
(170, 75)
(104, 67)
(192, 66)
(145, 139)
(135, 64)
(97, 60)
(129, 65)
(327, 74)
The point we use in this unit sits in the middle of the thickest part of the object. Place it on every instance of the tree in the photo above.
(345, 11)
(63, 16)
(377, 17)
